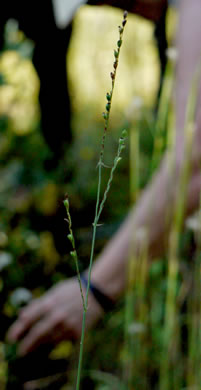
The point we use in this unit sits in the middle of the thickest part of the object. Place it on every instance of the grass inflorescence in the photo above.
(99, 203)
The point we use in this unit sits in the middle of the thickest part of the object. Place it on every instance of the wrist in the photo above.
(106, 303)
(111, 284)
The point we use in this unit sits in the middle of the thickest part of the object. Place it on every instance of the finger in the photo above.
(43, 331)
(28, 317)
(63, 329)
(39, 334)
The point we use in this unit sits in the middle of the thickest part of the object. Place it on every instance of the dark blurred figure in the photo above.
(36, 20)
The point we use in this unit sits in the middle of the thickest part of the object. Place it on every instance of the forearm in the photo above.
(189, 55)
(155, 209)
(151, 216)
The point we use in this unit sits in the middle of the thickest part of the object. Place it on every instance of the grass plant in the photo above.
(171, 337)
(194, 325)
(193, 374)
(99, 203)
(171, 364)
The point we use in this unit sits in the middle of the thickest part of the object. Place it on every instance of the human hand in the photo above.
(54, 317)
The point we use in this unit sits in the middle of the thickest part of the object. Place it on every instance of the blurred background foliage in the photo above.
(34, 251)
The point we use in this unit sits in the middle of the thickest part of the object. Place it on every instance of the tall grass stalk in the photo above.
(138, 261)
(171, 326)
(133, 263)
(129, 316)
(141, 316)
(129, 354)
(194, 328)
(135, 310)
(160, 138)
(99, 203)
(134, 159)
(135, 301)
(194, 317)
(74, 251)
(134, 163)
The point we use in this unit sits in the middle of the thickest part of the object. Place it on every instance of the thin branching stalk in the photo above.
(116, 161)
(95, 224)
(99, 206)
(74, 251)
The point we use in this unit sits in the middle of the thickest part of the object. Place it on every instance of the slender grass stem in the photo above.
(99, 206)
(194, 317)
(162, 116)
(135, 298)
(134, 163)
(74, 252)
(116, 161)
(85, 307)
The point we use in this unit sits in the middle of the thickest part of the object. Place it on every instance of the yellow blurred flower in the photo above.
(62, 351)
(46, 199)
(19, 97)
(48, 251)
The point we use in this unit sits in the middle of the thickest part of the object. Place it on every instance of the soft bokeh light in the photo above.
(19, 96)
(89, 64)
(91, 57)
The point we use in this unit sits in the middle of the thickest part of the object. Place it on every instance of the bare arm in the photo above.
(109, 272)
